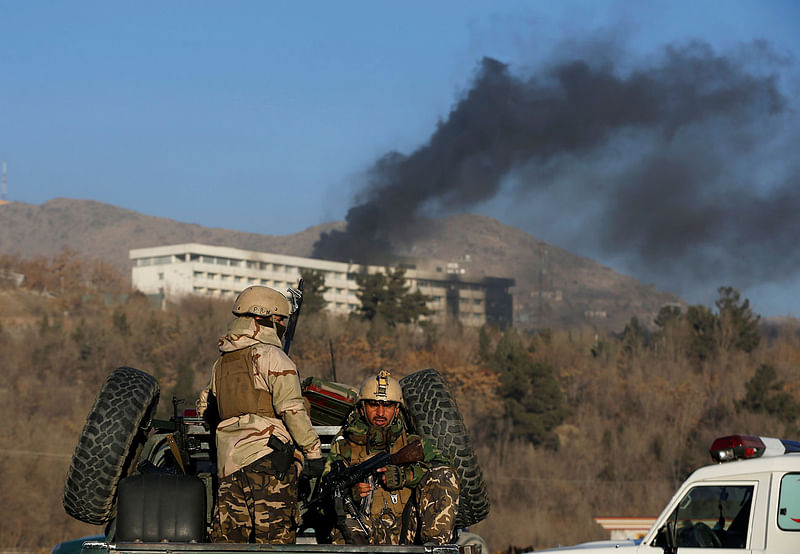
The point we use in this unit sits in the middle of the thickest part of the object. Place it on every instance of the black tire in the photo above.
(121, 412)
(434, 414)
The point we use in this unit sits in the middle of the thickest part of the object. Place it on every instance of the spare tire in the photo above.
(105, 450)
(434, 414)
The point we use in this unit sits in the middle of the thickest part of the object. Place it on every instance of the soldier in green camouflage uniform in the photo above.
(412, 504)
(262, 415)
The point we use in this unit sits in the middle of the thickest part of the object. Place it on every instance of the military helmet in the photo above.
(381, 387)
(261, 301)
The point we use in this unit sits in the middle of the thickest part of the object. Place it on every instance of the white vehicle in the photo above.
(748, 502)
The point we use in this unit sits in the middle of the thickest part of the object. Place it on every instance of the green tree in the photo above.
(667, 315)
(765, 395)
(703, 326)
(634, 337)
(533, 400)
(372, 293)
(388, 297)
(738, 325)
(733, 327)
(313, 290)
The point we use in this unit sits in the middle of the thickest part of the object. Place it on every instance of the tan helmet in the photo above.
(381, 387)
(262, 302)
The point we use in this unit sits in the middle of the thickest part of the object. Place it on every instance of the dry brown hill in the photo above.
(554, 287)
(107, 232)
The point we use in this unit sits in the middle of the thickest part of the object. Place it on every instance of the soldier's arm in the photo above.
(432, 457)
(334, 455)
(202, 401)
(287, 399)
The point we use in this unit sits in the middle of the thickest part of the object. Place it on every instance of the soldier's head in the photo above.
(380, 398)
(267, 306)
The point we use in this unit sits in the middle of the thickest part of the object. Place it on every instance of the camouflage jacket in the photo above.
(242, 440)
(358, 441)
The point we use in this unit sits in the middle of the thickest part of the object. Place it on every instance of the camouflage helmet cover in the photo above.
(381, 387)
(261, 301)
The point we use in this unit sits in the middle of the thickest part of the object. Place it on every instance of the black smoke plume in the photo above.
(658, 166)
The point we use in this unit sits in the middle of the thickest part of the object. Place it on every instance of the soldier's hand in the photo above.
(363, 489)
(394, 477)
(313, 468)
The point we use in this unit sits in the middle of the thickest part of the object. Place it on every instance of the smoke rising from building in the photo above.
(681, 169)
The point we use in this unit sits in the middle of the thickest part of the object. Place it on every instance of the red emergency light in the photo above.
(742, 447)
(736, 447)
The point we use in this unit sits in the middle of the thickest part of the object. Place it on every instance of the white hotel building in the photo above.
(179, 270)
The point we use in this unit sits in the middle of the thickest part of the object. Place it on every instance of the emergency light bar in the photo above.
(741, 447)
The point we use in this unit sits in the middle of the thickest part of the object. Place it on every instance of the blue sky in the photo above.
(261, 116)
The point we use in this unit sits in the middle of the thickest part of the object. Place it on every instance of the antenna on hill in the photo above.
(3, 182)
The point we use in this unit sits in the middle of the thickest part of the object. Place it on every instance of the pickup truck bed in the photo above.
(99, 547)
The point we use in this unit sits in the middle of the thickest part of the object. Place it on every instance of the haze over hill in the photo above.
(554, 287)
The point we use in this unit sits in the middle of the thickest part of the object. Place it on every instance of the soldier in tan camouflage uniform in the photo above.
(262, 414)
(409, 504)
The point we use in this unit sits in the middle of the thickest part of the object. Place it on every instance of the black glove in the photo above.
(394, 477)
(313, 468)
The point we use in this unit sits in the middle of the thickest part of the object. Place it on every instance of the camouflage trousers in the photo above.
(430, 515)
(253, 505)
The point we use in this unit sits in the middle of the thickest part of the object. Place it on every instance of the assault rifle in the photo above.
(335, 485)
(297, 303)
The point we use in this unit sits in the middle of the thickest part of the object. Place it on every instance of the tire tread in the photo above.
(123, 405)
(435, 415)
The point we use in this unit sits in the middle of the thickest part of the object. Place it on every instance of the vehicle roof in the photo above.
(783, 463)
(595, 546)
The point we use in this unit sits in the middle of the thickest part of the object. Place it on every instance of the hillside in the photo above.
(554, 287)
(659, 404)
(108, 232)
